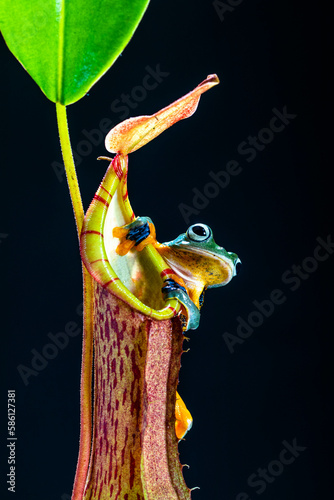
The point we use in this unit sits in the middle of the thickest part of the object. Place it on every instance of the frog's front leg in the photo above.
(139, 233)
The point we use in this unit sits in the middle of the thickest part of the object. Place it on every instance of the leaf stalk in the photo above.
(88, 313)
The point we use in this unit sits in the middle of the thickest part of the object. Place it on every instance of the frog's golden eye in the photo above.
(199, 232)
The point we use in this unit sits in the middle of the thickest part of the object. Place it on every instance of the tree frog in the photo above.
(197, 261)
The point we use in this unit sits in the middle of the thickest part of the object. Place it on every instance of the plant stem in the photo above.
(71, 175)
(85, 388)
(88, 313)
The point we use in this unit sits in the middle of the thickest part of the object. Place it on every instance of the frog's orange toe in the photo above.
(184, 420)
(119, 232)
(181, 429)
(124, 247)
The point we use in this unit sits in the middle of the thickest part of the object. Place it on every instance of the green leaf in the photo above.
(67, 45)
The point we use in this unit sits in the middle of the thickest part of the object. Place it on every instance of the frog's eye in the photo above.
(199, 232)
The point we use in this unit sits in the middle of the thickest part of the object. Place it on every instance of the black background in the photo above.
(275, 385)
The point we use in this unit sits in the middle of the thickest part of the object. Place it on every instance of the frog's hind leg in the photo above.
(183, 418)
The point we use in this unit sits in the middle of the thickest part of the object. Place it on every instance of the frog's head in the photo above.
(198, 259)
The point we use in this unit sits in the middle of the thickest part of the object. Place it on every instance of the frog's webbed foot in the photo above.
(183, 418)
(173, 290)
(170, 286)
(139, 234)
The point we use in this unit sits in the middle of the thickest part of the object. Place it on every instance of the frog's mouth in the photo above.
(200, 266)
